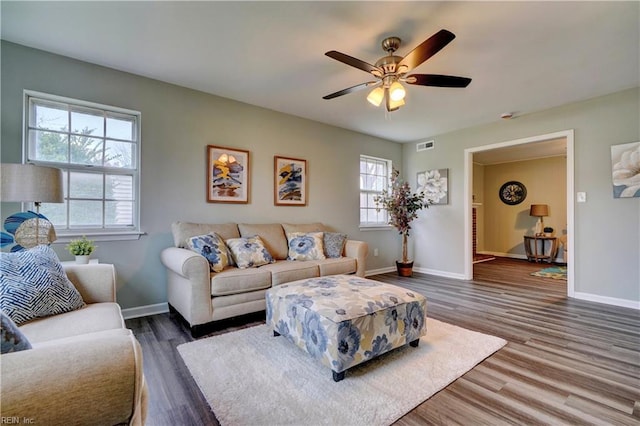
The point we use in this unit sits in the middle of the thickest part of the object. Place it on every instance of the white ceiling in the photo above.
(522, 56)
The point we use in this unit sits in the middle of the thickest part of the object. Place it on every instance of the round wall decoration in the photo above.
(512, 193)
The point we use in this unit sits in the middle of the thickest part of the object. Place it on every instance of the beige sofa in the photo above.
(201, 296)
(85, 367)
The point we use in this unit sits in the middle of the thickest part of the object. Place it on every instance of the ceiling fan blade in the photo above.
(354, 62)
(437, 80)
(351, 89)
(427, 49)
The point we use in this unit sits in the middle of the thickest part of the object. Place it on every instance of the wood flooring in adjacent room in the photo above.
(567, 361)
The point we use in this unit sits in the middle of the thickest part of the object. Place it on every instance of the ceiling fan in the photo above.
(391, 70)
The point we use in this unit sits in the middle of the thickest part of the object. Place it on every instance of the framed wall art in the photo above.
(290, 181)
(625, 170)
(227, 175)
(435, 184)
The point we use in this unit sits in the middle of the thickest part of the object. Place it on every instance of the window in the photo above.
(98, 149)
(374, 177)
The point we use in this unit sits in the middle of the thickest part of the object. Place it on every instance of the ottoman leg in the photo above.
(275, 333)
(338, 376)
(415, 343)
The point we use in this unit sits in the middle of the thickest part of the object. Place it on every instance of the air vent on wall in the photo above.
(423, 146)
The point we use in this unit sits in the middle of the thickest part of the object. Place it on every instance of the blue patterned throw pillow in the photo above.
(213, 248)
(33, 285)
(306, 246)
(12, 339)
(334, 244)
(249, 252)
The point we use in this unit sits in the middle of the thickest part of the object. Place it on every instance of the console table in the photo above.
(536, 248)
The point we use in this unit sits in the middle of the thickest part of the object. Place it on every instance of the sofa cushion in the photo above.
(303, 227)
(305, 246)
(284, 271)
(334, 244)
(183, 230)
(11, 338)
(213, 248)
(235, 281)
(249, 252)
(93, 317)
(336, 266)
(33, 284)
(272, 235)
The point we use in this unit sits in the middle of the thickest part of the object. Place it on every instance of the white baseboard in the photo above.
(510, 255)
(624, 303)
(379, 271)
(438, 273)
(143, 311)
(420, 270)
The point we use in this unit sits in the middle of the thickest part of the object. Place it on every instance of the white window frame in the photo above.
(384, 222)
(104, 232)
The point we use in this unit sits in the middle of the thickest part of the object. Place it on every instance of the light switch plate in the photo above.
(581, 197)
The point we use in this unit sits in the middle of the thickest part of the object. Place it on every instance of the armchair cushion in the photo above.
(33, 284)
(12, 338)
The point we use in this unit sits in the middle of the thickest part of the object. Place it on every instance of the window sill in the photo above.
(100, 236)
(376, 227)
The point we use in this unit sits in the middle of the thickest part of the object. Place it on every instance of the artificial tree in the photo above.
(402, 206)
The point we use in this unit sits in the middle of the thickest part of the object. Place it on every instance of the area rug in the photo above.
(249, 377)
(555, 272)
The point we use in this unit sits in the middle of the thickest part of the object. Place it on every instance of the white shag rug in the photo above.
(250, 377)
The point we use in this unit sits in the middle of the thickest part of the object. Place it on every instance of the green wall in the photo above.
(177, 126)
(607, 230)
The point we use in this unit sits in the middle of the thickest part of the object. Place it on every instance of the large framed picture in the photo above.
(625, 170)
(435, 185)
(227, 175)
(290, 181)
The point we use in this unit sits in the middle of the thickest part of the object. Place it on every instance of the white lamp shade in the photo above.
(376, 96)
(27, 182)
(396, 92)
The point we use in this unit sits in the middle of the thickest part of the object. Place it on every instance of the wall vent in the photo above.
(423, 146)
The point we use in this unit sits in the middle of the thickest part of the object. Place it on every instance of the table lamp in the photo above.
(539, 211)
(30, 183)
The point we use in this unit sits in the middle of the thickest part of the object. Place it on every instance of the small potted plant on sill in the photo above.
(81, 249)
(402, 206)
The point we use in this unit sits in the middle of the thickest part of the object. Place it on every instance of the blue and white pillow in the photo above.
(306, 246)
(213, 248)
(334, 244)
(34, 285)
(249, 252)
(11, 338)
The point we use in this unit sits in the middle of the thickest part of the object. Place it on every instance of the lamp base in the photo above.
(539, 227)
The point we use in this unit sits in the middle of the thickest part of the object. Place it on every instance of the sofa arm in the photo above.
(359, 251)
(188, 284)
(96, 379)
(95, 282)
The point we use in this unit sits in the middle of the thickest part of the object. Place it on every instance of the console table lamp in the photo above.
(539, 211)
(30, 183)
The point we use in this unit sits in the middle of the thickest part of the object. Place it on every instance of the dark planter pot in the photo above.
(405, 269)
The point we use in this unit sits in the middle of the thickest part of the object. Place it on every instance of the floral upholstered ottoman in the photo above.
(344, 320)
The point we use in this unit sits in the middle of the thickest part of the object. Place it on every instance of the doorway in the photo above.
(522, 145)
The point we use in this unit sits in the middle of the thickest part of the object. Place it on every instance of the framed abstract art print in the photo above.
(290, 181)
(227, 175)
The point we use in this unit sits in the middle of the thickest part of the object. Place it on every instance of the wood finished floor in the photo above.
(567, 361)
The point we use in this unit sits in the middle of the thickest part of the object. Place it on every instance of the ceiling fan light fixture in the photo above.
(376, 96)
(397, 92)
(394, 105)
